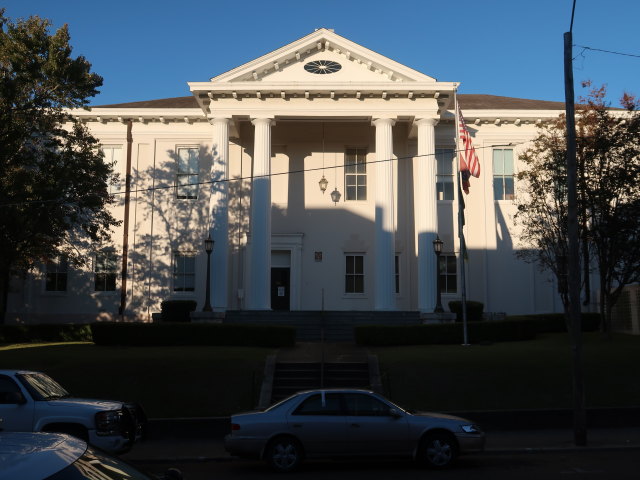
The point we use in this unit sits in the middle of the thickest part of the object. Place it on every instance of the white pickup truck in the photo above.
(34, 402)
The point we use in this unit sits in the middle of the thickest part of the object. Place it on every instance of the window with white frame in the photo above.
(105, 270)
(354, 273)
(503, 174)
(355, 173)
(444, 169)
(56, 274)
(113, 156)
(184, 272)
(448, 271)
(188, 168)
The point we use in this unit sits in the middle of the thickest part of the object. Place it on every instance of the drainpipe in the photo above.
(125, 234)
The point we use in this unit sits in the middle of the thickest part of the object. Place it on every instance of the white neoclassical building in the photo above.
(244, 158)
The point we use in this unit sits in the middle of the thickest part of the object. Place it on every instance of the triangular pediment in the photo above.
(347, 61)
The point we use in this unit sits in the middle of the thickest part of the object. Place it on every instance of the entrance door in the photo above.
(280, 288)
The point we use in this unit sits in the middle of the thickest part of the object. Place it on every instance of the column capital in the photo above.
(383, 121)
(269, 121)
(426, 121)
(219, 120)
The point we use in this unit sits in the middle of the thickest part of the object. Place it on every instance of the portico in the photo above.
(325, 78)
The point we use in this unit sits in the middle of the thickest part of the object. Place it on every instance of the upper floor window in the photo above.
(503, 177)
(444, 179)
(354, 273)
(355, 173)
(105, 270)
(187, 172)
(113, 156)
(448, 271)
(184, 272)
(56, 272)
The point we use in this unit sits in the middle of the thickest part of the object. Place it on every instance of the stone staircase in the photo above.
(290, 378)
(314, 365)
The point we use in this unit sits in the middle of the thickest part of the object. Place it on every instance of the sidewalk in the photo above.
(183, 446)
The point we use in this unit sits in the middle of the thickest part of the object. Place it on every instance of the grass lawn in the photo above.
(216, 381)
(167, 381)
(511, 375)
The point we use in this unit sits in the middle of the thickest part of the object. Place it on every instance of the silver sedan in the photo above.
(348, 423)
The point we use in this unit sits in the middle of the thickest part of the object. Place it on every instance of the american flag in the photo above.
(469, 164)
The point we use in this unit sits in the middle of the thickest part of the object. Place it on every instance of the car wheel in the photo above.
(284, 454)
(438, 450)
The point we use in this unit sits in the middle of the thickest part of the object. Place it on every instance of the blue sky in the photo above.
(148, 49)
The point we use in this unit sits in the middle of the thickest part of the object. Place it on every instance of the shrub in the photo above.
(444, 333)
(474, 310)
(148, 334)
(555, 322)
(46, 332)
(177, 310)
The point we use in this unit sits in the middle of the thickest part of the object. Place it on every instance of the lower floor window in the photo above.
(106, 271)
(56, 275)
(354, 274)
(184, 272)
(447, 269)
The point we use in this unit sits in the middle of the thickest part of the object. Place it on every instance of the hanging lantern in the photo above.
(335, 195)
(324, 183)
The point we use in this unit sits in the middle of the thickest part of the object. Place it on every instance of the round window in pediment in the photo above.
(322, 67)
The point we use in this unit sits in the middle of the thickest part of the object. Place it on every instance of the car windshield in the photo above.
(42, 387)
(94, 465)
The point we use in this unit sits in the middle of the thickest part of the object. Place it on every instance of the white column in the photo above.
(426, 213)
(219, 214)
(384, 275)
(259, 281)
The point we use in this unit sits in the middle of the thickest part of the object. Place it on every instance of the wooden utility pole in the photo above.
(575, 319)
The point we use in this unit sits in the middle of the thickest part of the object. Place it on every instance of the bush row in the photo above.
(444, 333)
(45, 333)
(514, 328)
(556, 323)
(148, 334)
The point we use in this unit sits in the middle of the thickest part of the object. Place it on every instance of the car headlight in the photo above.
(109, 422)
(471, 428)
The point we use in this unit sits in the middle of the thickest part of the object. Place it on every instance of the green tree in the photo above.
(608, 157)
(53, 179)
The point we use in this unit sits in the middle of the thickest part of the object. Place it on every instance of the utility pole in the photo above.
(575, 319)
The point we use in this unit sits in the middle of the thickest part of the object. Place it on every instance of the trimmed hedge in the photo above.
(555, 322)
(47, 332)
(444, 333)
(177, 310)
(474, 310)
(152, 334)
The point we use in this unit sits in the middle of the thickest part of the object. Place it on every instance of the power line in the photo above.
(236, 179)
(606, 51)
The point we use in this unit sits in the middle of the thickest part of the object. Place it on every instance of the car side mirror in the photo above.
(395, 413)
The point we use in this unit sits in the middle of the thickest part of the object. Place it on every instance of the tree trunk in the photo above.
(5, 278)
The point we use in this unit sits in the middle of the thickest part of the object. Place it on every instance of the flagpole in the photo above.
(463, 247)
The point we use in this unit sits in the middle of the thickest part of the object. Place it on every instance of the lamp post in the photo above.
(208, 247)
(437, 248)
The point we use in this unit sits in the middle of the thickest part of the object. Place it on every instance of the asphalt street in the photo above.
(621, 464)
